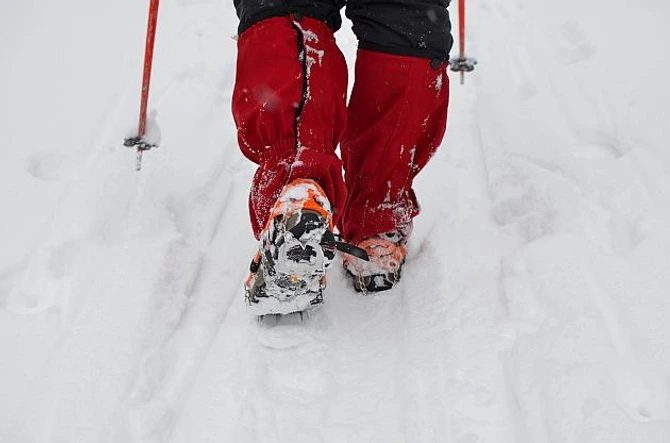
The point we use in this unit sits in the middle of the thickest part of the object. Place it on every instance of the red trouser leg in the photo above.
(289, 105)
(396, 120)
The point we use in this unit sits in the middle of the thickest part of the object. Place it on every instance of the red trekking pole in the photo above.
(462, 64)
(138, 141)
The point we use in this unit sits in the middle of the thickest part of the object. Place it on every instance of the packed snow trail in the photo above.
(533, 306)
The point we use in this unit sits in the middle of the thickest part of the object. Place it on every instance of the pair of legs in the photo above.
(289, 104)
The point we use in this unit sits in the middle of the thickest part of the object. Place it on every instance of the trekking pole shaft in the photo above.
(148, 60)
(461, 27)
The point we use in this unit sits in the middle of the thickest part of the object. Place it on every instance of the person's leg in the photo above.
(289, 108)
(289, 99)
(396, 120)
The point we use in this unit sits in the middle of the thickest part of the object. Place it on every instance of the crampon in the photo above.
(288, 273)
(382, 271)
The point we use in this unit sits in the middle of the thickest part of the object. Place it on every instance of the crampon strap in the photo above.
(329, 241)
(352, 250)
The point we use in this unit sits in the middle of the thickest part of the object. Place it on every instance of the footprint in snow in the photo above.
(597, 151)
(45, 282)
(45, 165)
(573, 45)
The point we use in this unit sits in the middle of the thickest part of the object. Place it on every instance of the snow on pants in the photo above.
(289, 104)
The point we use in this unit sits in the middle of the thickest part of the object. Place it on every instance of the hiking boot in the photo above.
(288, 273)
(387, 253)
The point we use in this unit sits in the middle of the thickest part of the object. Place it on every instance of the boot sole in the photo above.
(297, 303)
(374, 283)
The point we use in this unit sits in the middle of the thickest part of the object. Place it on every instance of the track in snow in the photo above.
(533, 307)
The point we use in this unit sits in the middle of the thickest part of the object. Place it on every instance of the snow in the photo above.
(533, 308)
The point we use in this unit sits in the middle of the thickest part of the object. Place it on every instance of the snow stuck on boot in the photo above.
(297, 246)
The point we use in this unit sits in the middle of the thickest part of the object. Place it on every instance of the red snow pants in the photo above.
(289, 105)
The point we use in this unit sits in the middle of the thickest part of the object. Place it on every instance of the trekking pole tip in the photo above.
(140, 146)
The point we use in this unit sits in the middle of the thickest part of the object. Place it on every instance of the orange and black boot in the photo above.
(297, 245)
(387, 253)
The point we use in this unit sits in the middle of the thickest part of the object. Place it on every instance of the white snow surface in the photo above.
(535, 304)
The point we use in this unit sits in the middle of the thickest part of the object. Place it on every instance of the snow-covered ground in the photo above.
(536, 301)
